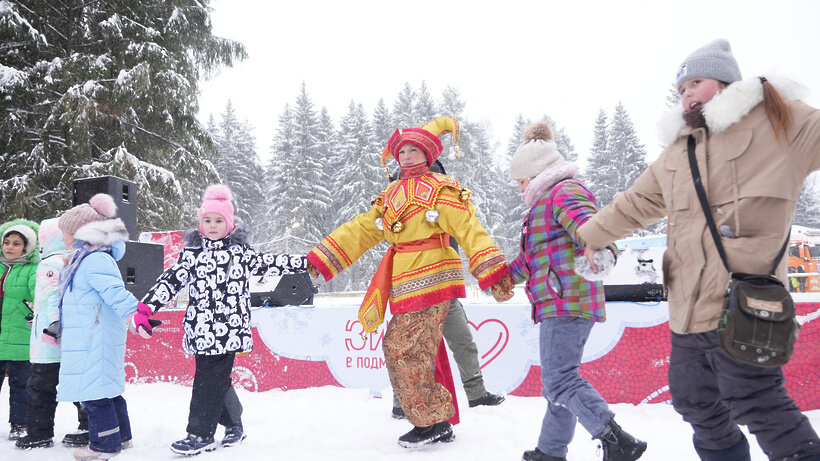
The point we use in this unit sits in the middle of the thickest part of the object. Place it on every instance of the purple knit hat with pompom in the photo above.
(99, 208)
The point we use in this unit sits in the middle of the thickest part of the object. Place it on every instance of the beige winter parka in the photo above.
(752, 181)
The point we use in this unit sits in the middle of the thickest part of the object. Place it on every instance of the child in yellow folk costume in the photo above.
(419, 275)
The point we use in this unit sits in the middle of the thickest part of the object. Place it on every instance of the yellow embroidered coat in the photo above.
(414, 209)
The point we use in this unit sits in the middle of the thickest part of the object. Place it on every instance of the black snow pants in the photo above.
(714, 393)
(213, 399)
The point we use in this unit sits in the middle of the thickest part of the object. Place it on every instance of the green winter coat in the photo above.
(18, 281)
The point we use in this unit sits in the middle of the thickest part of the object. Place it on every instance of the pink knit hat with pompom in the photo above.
(217, 199)
(99, 208)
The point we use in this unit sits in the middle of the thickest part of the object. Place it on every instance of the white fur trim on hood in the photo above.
(544, 181)
(31, 237)
(102, 233)
(729, 106)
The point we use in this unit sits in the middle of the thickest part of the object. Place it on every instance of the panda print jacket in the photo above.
(217, 274)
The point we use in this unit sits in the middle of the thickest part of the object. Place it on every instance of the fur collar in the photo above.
(192, 238)
(546, 180)
(102, 233)
(728, 107)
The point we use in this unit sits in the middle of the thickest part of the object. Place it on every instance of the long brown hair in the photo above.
(778, 112)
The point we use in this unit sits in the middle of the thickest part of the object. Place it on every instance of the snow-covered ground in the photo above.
(348, 424)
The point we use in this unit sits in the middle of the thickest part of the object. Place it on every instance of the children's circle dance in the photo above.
(65, 312)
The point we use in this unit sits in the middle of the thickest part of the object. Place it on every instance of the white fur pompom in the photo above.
(605, 261)
(104, 205)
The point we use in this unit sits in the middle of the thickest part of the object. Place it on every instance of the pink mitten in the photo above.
(140, 323)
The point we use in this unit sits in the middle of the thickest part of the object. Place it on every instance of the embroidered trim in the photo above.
(411, 286)
(331, 258)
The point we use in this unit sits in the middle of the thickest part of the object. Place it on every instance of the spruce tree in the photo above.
(239, 168)
(90, 81)
(807, 210)
(403, 109)
(627, 154)
(311, 199)
(383, 126)
(424, 108)
(562, 141)
(600, 168)
(280, 198)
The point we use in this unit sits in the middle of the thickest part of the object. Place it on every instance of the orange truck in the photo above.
(803, 258)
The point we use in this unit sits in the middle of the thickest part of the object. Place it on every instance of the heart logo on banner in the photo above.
(491, 340)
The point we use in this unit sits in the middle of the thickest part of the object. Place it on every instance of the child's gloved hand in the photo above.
(599, 268)
(139, 322)
(51, 334)
(314, 274)
(503, 289)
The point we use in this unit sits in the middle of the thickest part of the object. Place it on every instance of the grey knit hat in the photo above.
(713, 60)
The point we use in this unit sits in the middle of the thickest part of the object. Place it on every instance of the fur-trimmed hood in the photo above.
(102, 233)
(728, 107)
(192, 238)
(29, 229)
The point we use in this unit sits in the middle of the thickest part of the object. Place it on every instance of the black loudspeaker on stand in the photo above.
(292, 290)
(141, 266)
(143, 261)
(123, 191)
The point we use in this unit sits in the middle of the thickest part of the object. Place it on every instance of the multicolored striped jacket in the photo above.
(549, 246)
(409, 210)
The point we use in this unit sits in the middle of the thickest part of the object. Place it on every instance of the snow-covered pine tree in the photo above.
(326, 142)
(308, 180)
(672, 96)
(239, 168)
(600, 168)
(562, 140)
(514, 208)
(807, 210)
(403, 109)
(279, 178)
(627, 155)
(424, 108)
(358, 178)
(383, 127)
(88, 79)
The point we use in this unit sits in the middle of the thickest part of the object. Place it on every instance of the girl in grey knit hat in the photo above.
(755, 143)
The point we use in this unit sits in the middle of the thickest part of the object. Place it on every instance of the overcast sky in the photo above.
(565, 59)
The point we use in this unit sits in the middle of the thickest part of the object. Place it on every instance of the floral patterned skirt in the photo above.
(410, 347)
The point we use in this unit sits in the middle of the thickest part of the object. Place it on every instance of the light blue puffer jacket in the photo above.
(94, 312)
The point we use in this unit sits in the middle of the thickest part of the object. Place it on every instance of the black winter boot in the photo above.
(27, 442)
(618, 445)
(538, 455)
(738, 452)
(76, 439)
(420, 436)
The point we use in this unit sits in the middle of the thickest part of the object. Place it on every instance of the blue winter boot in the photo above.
(234, 434)
(738, 452)
(193, 445)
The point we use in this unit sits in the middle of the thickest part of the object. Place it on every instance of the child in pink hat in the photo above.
(216, 265)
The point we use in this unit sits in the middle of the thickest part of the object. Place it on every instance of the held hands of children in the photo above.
(503, 289)
(595, 265)
(139, 322)
(314, 274)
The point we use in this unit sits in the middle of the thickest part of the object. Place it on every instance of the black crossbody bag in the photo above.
(757, 326)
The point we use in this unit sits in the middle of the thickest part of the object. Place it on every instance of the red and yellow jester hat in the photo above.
(426, 138)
